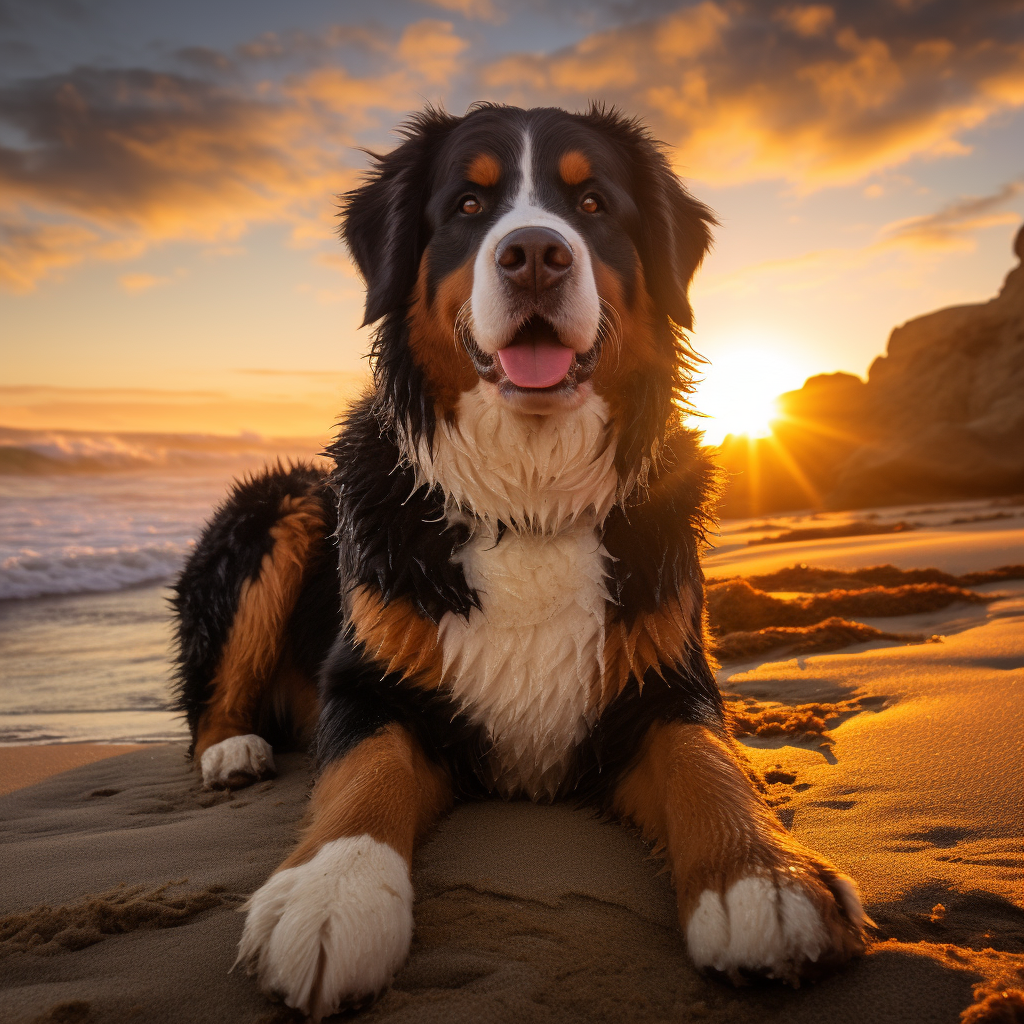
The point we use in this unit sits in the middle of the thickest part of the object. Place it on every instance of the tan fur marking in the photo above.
(691, 794)
(254, 644)
(432, 334)
(632, 346)
(574, 167)
(660, 638)
(397, 637)
(386, 788)
(484, 170)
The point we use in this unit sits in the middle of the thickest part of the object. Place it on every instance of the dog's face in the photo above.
(541, 252)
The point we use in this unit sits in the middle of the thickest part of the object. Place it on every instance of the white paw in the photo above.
(236, 761)
(774, 927)
(333, 931)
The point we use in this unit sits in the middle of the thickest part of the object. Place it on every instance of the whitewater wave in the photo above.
(35, 452)
(86, 570)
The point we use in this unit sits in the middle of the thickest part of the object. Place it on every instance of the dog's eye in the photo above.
(469, 205)
(590, 203)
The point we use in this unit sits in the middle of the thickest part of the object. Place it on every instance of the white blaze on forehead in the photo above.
(578, 314)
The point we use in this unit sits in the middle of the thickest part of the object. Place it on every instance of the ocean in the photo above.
(93, 528)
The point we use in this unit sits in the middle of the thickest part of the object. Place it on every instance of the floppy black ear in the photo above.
(675, 229)
(675, 235)
(382, 220)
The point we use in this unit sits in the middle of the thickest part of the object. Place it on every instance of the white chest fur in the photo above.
(541, 472)
(525, 665)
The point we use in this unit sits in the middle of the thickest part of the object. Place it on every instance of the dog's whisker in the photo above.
(611, 328)
(462, 326)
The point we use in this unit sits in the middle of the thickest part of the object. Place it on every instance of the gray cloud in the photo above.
(811, 93)
(951, 225)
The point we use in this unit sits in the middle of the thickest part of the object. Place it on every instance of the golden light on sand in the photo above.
(740, 389)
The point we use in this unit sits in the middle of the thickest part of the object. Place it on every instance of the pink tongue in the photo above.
(536, 364)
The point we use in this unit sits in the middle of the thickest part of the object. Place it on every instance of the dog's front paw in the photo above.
(331, 933)
(237, 761)
(780, 923)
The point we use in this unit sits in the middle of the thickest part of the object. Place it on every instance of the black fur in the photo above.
(655, 536)
(358, 700)
(230, 551)
(674, 228)
(391, 534)
(678, 693)
(410, 200)
(384, 224)
(385, 228)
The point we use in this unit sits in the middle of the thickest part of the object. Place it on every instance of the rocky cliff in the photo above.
(940, 416)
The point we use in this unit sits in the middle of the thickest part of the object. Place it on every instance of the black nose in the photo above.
(533, 259)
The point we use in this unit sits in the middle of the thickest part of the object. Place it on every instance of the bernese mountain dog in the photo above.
(498, 589)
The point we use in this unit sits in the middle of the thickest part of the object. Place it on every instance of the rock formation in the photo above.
(940, 416)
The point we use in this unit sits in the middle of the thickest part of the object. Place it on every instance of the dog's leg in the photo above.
(751, 898)
(227, 746)
(333, 924)
(234, 600)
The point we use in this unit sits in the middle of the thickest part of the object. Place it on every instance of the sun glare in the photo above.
(740, 388)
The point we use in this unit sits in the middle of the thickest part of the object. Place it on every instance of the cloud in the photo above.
(103, 163)
(952, 226)
(949, 229)
(431, 48)
(810, 20)
(30, 251)
(302, 411)
(814, 95)
(481, 10)
(133, 283)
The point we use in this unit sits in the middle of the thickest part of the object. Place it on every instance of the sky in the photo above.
(169, 172)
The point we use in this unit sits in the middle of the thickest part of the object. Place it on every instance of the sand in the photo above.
(22, 766)
(528, 913)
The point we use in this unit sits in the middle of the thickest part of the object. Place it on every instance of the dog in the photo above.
(497, 590)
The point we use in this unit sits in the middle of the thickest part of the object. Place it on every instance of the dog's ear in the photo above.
(675, 229)
(675, 234)
(383, 220)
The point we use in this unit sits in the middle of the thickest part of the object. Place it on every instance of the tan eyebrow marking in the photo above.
(484, 170)
(574, 167)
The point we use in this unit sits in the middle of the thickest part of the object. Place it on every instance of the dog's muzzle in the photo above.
(534, 267)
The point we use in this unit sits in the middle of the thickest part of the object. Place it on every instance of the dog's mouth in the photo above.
(535, 358)
(534, 362)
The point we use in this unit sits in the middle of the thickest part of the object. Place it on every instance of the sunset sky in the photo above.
(168, 257)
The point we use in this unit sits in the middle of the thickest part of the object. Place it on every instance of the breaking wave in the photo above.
(43, 452)
(85, 570)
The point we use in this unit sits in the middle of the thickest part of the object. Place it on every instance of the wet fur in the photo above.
(491, 604)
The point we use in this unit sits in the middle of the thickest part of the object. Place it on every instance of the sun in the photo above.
(740, 390)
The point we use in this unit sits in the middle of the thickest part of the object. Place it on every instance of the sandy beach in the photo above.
(901, 761)
(22, 766)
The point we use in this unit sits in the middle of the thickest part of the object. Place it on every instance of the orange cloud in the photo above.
(300, 412)
(953, 225)
(819, 95)
(114, 161)
(30, 251)
(141, 282)
(812, 20)
(481, 10)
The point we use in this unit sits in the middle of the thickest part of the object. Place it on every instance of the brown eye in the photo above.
(470, 205)
(590, 204)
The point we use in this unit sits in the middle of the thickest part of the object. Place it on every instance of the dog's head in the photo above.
(544, 253)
